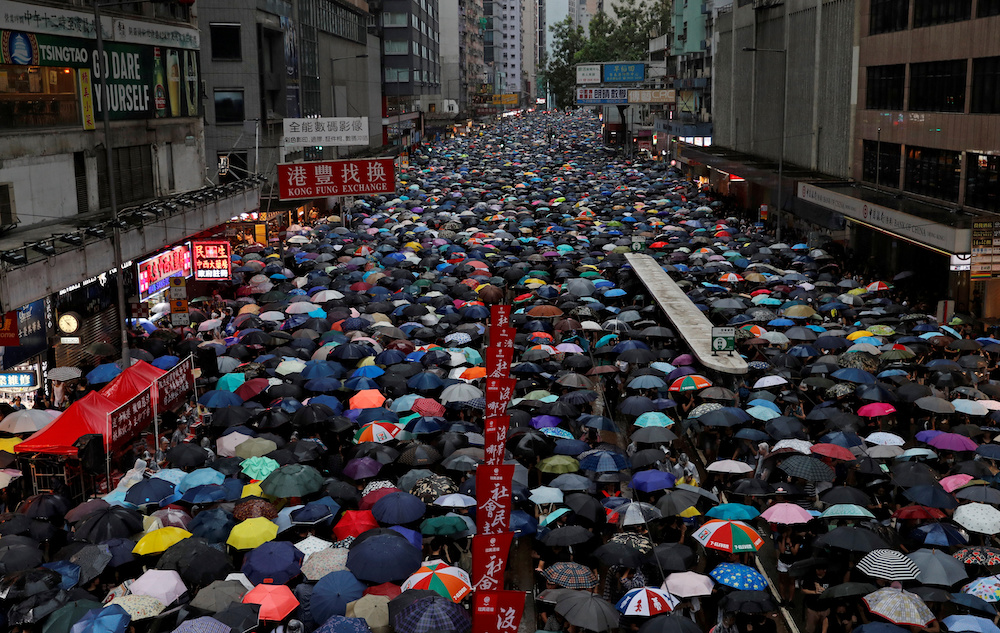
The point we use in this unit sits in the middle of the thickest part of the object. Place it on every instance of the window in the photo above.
(982, 182)
(229, 106)
(395, 47)
(931, 12)
(885, 87)
(986, 8)
(226, 42)
(8, 215)
(882, 158)
(133, 175)
(985, 86)
(396, 75)
(393, 19)
(938, 86)
(39, 96)
(887, 16)
(932, 172)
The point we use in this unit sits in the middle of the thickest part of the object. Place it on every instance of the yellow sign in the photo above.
(178, 305)
(652, 96)
(87, 100)
(508, 99)
(178, 282)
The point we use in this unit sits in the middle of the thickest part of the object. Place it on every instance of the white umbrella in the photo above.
(26, 421)
(163, 584)
(272, 316)
(209, 325)
(226, 446)
(326, 295)
(970, 407)
(64, 373)
(884, 439)
(301, 307)
(729, 466)
(688, 584)
(456, 501)
(460, 393)
(769, 381)
(545, 494)
(978, 517)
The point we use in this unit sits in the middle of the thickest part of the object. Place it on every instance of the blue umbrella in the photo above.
(738, 577)
(332, 593)
(330, 401)
(359, 383)
(70, 573)
(323, 384)
(939, 534)
(383, 558)
(121, 550)
(851, 374)
(207, 493)
(200, 477)
(368, 371)
(604, 462)
(103, 373)
(274, 562)
(149, 491)
(216, 399)
(598, 422)
(652, 480)
(341, 624)
(753, 435)
(573, 447)
(733, 512)
(165, 362)
(972, 623)
(213, 525)
(110, 619)
(879, 627)
(318, 369)
(424, 381)
(975, 603)
(416, 539)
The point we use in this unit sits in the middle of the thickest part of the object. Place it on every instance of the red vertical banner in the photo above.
(493, 494)
(489, 560)
(497, 611)
(495, 438)
(499, 392)
(500, 353)
(500, 316)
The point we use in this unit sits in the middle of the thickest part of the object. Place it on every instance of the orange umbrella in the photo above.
(367, 399)
(473, 373)
(276, 601)
(354, 523)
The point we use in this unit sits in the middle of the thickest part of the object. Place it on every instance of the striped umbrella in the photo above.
(380, 432)
(646, 602)
(693, 382)
(888, 564)
(451, 582)
(729, 536)
(899, 607)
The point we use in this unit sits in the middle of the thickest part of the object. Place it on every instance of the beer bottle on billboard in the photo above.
(191, 83)
(160, 90)
(174, 82)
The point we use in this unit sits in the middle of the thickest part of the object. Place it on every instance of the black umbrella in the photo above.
(212, 563)
(109, 523)
(854, 539)
(45, 506)
(749, 602)
(585, 507)
(239, 617)
(670, 624)
(18, 558)
(614, 553)
(672, 557)
(847, 590)
(186, 456)
(845, 494)
(567, 535)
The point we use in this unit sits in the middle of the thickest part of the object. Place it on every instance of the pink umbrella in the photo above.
(688, 584)
(786, 513)
(954, 482)
(953, 442)
(875, 409)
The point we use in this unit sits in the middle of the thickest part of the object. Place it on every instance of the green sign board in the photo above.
(723, 339)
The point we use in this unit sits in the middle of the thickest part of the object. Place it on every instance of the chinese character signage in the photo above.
(500, 316)
(589, 74)
(18, 380)
(495, 438)
(497, 611)
(212, 261)
(505, 99)
(499, 392)
(493, 488)
(627, 72)
(298, 181)
(329, 131)
(32, 334)
(489, 560)
(601, 96)
(155, 272)
(985, 249)
(125, 422)
(8, 329)
(500, 353)
(173, 387)
(652, 96)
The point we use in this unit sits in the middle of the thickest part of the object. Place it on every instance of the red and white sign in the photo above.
(500, 316)
(298, 181)
(499, 392)
(500, 353)
(155, 272)
(497, 611)
(9, 334)
(212, 261)
(493, 492)
(495, 438)
(489, 560)
(125, 422)
(173, 387)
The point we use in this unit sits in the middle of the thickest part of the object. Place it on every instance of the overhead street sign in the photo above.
(602, 96)
(652, 96)
(589, 74)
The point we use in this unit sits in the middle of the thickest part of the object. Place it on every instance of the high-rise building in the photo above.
(411, 64)
(461, 27)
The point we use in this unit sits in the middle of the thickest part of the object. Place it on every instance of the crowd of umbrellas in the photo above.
(343, 423)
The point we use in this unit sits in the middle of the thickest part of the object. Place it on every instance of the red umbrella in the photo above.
(428, 407)
(369, 499)
(387, 589)
(276, 601)
(361, 286)
(833, 451)
(252, 388)
(918, 512)
(354, 523)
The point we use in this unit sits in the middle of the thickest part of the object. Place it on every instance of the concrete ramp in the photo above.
(688, 321)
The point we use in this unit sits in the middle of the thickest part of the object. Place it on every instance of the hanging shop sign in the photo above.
(32, 334)
(601, 96)
(212, 261)
(155, 272)
(300, 181)
(327, 131)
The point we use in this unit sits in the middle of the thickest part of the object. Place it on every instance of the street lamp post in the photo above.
(784, 113)
(333, 80)
(112, 197)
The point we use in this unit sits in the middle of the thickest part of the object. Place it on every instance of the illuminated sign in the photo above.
(212, 261)
(155, 272)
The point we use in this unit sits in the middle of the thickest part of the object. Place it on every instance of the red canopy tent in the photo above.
(131, 382)
(87, 415)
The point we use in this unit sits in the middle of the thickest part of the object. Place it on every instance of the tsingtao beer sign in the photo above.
(298, 181)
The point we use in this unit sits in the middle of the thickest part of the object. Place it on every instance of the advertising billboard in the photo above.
(155, 272)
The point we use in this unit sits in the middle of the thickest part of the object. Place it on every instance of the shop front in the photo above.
(24, 358)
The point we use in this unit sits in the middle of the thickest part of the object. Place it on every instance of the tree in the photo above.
(559, 73)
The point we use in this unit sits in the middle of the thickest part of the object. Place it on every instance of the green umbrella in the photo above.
(231, 382)
(293, 480)
(63, 618)
(559, 464)
(443, 526)
(259, 467)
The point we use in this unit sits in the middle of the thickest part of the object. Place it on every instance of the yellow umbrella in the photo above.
(252, 533)
(157, 541)
(799, 311)
(252, 490)
(857, 291)
(853, 336)
(690, 512)
(8, 443)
